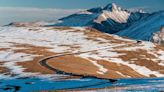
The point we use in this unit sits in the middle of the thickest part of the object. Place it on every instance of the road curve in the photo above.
(43, 62)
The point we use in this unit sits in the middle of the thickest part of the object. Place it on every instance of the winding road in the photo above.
(43, 62)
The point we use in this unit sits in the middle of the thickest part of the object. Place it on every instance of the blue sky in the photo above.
(72, 4)
(13, 10)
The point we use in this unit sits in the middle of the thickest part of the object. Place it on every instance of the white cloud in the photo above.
(11, 14)
(138, 9)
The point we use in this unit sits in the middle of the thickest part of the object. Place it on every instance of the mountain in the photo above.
(29, 24)
(146, 29)
(109, 19)
(114, 20)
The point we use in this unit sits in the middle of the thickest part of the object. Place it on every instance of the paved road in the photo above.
(43, 62)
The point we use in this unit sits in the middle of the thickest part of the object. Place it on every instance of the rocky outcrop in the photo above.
(158, 37)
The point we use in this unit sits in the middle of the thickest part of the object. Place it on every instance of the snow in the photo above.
(18, 57)
(107, 53)
(48, 38)
(103, 40)
(140, 69)
(79, 28)
(84, 12)
(112, 11)
(144, 45)
(117, 16)
(113, 57)
(102, 70)
(161, 56)
(77, 19)
(120, 38)
(120, 73)
(13, 67)
(42, 37)
(10, 59)
(158, 37)
(145, 28)
(53, 39)
(109, 19)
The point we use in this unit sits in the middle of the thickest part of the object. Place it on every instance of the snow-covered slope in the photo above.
(158, 37)
(113, 12)
(28, 24)
(110, 19)
(79, 19)
(144, 29)
(99, 54)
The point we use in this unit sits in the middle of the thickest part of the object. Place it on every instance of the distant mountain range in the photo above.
(115, 20)
(110, 18)
(30, 24)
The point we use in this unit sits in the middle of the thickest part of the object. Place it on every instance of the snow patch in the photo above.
(102, 70)
(116, 15)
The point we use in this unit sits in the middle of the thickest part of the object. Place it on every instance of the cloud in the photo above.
(138, 9)
(23, 14)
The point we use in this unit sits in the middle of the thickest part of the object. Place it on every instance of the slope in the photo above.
(144, 29)
(104, 55)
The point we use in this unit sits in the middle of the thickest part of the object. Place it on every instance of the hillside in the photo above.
(82, 51)
(144, 29)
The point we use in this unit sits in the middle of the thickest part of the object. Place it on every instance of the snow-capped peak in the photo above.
(118, 16)
(110, 18)
(112, 7)
(112, 11)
